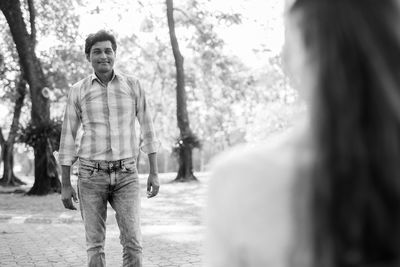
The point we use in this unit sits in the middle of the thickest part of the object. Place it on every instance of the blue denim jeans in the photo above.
(116, 182)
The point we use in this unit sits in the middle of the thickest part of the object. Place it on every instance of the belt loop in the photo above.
(98, 166)
(120, 164)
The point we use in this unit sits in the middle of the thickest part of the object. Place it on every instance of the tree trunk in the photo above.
(9, 179)
(185, 172)
(49, 177)
(46, 181)
(2, 144)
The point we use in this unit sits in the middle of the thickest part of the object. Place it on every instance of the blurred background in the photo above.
(234, 82)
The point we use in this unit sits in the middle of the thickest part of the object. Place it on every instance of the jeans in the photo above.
(116, 182)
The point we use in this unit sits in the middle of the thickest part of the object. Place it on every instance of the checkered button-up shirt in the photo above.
(106, 115)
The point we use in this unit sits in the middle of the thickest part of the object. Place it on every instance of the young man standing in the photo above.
(105, 105)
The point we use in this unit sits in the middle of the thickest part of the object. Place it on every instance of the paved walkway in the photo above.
(40, 244)
(172, 234)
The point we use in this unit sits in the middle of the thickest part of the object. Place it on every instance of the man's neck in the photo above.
(105, 77)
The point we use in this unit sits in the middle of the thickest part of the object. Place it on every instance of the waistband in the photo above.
(105, 164)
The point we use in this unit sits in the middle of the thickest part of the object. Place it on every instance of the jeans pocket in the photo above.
(129, 166)
(86, 171)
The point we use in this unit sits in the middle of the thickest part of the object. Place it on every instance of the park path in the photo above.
(172, 228)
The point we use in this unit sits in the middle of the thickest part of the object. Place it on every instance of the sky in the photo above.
(262, 23)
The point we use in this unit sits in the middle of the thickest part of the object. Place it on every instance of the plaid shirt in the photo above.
(107, 115)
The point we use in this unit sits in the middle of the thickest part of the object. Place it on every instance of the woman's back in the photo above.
(251, 214)
(342, 202)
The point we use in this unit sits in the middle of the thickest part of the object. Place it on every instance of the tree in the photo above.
(7, 146)
(46, 176)
(12, 95)
(187, 140)
(212, 79)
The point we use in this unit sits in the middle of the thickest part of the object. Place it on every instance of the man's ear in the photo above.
(88, 57)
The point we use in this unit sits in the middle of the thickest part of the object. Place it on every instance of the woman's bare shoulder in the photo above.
(274, 158)
(250, 198)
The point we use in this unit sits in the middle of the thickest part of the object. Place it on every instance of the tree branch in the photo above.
(2, 144)
(2, 140)
(32, 17)
(191, 20)
(21, 92)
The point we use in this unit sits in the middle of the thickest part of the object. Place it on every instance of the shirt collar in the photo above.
(94, 77)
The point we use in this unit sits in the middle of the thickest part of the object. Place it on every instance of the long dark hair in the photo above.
(353, 48)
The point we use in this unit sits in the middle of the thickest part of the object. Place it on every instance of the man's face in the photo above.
(102, 57)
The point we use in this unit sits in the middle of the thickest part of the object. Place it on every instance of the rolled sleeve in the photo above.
(70, 126)
(150, 142)
(152, 147)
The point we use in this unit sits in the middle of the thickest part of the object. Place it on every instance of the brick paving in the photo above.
(172, 231)
(41, 244)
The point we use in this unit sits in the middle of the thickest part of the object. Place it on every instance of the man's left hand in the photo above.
(153, 185)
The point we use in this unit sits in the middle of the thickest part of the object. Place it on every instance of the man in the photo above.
(105, 105)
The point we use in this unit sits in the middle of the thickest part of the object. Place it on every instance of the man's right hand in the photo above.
(67, 194)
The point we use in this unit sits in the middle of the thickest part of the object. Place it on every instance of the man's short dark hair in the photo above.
(99, 36)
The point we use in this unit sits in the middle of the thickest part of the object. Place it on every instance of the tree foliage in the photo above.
(228, 101)
(22, 20)
(43, 135)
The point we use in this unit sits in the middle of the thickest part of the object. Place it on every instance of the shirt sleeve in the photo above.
(70, 126)
(150, 142)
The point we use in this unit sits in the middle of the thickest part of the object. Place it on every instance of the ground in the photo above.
(38, 231)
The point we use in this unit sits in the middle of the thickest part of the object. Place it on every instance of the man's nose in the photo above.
(103, 55)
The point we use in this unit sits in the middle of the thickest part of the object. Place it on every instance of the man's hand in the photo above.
(67, 194)
(153, 185)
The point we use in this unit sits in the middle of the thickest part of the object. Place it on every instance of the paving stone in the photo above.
(32, 244)
(171, 237)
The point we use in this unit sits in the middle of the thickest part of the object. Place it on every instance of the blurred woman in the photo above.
(328, 195)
